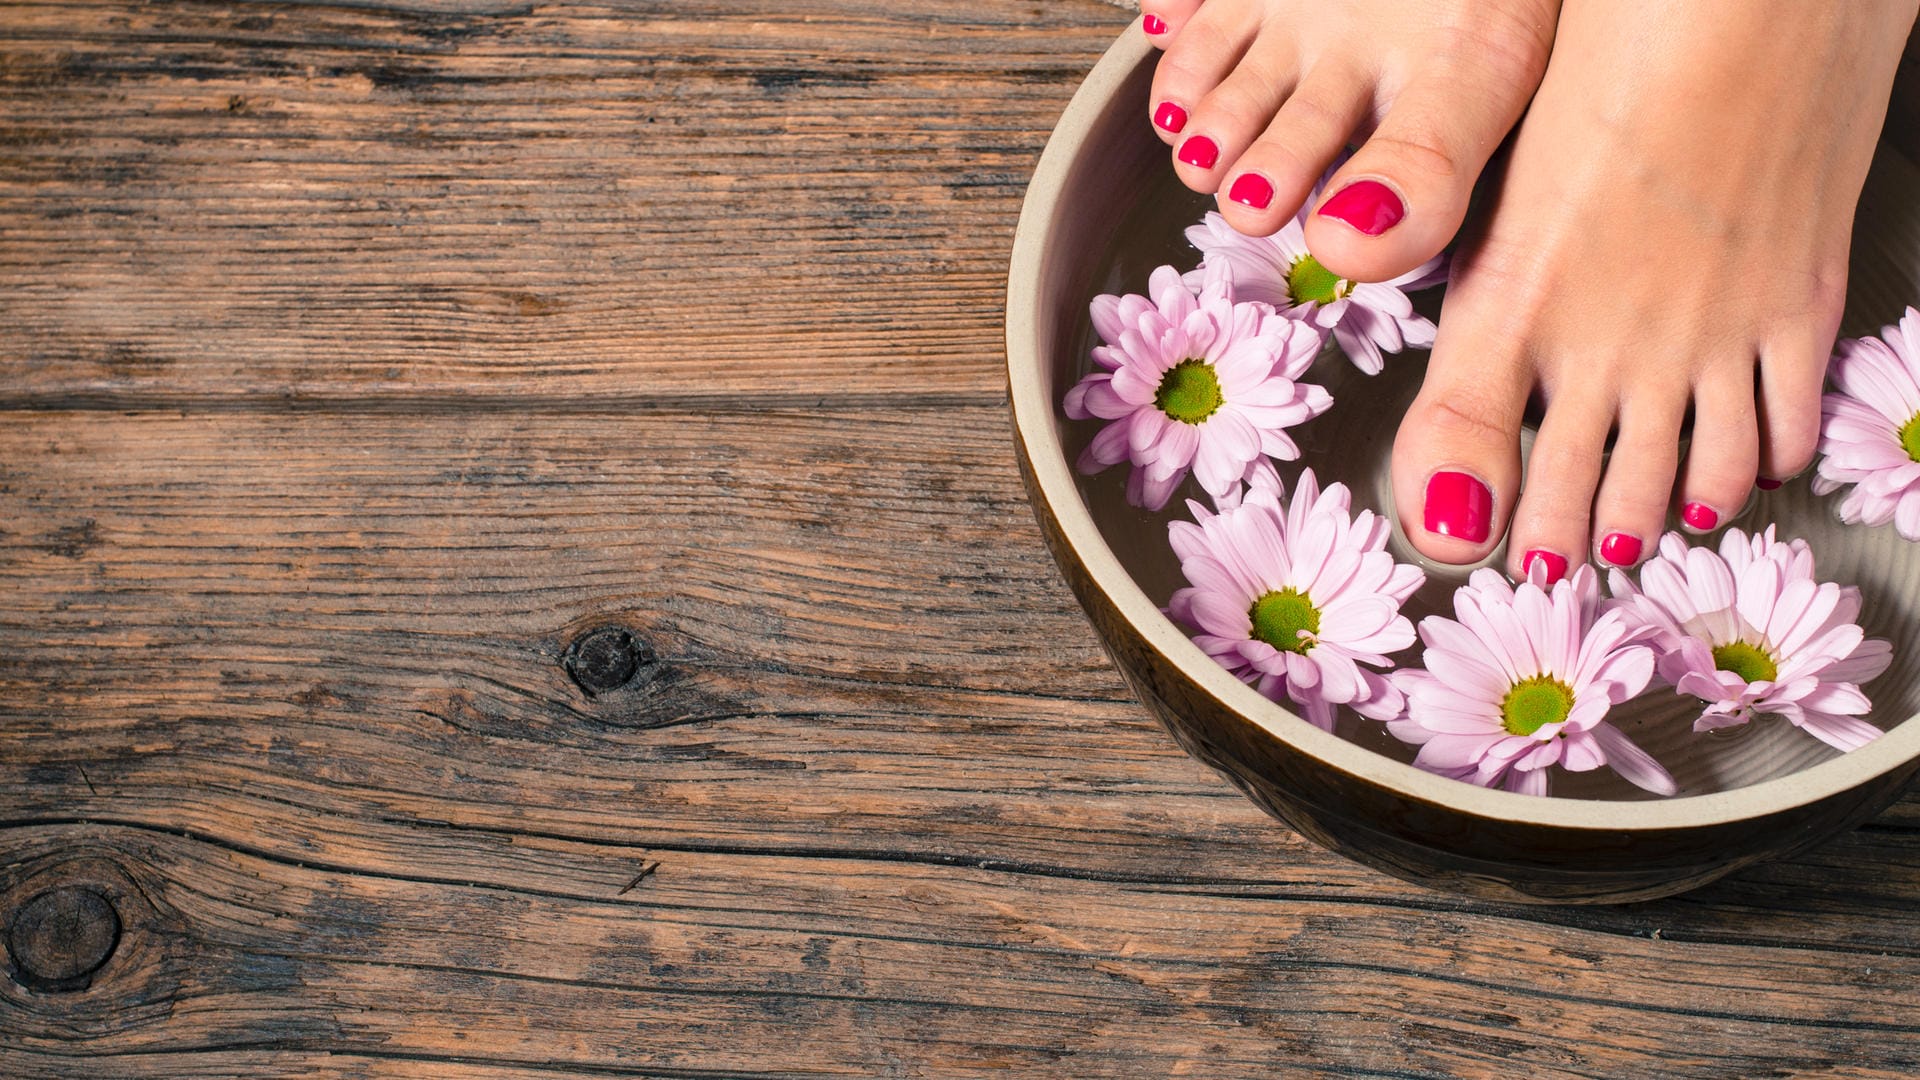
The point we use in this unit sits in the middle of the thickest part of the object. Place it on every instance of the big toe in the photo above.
(1401, 197)
(1456, 461)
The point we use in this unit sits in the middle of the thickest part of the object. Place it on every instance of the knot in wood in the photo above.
(606, 659)
(61, 937)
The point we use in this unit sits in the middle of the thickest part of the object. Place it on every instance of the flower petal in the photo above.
(1865, 664)
(1632, 763)
(1840, 732)
(1109, 447)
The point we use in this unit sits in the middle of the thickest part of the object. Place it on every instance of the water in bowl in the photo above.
(1352, 443)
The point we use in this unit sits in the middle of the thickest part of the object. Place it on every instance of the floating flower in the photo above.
(1870, 430)
(1366, 318)
(1749, 631)
(1522, 681)
(1295, 599)
(1198, 383)
(1260, 474)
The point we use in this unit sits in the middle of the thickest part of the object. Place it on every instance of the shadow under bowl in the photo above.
(1102, 211)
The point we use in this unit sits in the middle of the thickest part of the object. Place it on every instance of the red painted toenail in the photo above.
(1620, 549)
(1765, 484)
(1459, 506)
(1699, 516)
(1253, 190)
(1555, 565)
(1199, 152)
(1170, 117)
(1154, 24)
(1367, 205)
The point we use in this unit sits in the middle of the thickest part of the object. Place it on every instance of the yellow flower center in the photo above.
(1534, 703)
(1279, 616)
(1310, 283)
(1750, 662)
(1910, 437)
(1189, 391)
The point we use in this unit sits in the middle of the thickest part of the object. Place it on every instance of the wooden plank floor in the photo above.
(363, 360)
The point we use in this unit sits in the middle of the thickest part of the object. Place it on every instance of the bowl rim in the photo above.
(1033, 424)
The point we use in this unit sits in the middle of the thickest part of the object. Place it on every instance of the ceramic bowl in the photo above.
(1102, 211)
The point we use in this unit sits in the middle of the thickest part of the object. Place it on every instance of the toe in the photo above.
(1162, 20)
(1725, 451)
(1792, 372)
(1209, 47)
(1551, 522)
(1267, 185)
(1234, 113)
(1456, 460)
(1630, 510)
(1401, 197)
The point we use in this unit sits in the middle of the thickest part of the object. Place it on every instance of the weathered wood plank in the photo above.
(693, 202)
(847, 967)
(359, 1064)
(869, 547)
(276, 623)
(496, 201)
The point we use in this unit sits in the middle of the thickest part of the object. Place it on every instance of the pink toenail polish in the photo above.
(1199, 152)
(1368, 205)
(1699, 516)
(1170, 117)
(1154, 25)
(1253, 190)
(1767, 484)
(1620, 549)
(1459, 506)
(1556, 565)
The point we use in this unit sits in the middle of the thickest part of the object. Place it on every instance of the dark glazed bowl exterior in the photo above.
(1376, 810)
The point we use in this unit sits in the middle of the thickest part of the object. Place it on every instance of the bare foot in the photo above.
(1258, 97)
(1672, 232)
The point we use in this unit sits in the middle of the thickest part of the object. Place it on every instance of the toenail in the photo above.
(1459, 506)
(1766, 484)
(1253, 190)
(1154, 24)
(1699, 516)
(1620, 549)
(1368, 205)
(1170, 117)
(1199, 152)
(1555, 565)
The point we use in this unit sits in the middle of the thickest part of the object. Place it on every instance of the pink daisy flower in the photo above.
(1870, 430)
(1295, 599)
(1522, 681)
(1366, 318)
(1260, 474)
(1748, 630)
(1193, 383)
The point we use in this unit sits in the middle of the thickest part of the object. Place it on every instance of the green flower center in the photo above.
(1310, 283)
(1534, 703)
(1910, 437)
(1279, 616)
(1750, 662)
(1189, 391)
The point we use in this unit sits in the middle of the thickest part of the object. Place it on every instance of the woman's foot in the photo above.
(1258, 97)
(1671, 234)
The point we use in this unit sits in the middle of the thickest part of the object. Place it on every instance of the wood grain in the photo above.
(399, 752)
(501, 201)
(361, 359)
(842, 965)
